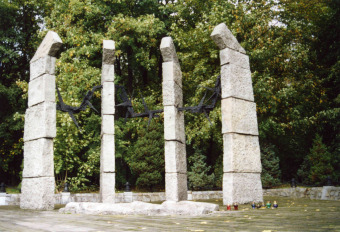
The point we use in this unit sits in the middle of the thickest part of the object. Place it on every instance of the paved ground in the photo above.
(292, 215)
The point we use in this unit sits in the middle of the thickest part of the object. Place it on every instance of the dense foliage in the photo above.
(294, 55)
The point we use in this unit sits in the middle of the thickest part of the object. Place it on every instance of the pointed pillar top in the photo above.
(168, 50)
(50, 46)
(223, 38)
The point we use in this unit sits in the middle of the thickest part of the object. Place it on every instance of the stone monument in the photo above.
(241, 150)
(37, 189)
(174, 131)
(107, 154)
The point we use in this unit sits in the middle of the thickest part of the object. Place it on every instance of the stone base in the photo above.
(107, 187)
(242, 188)
(3, 198)
(37, 193)
(176, 186)
(141, 208)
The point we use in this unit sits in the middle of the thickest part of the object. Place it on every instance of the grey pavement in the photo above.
(292, 215)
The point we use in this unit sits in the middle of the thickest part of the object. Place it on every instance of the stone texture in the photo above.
(108, 98)
(37, 193)
(168, 50)
(108, 52)
(175, 157)
(107, 187)
(108, 124)
(230, 56)
(173, 124)
(40, 121)
(242, 188)
(41, 89)
(241, 153)
(50, 46)
(223, 38)
(38, 158)
(108, 73)
(107, 153)
(41, 66)
(176, 186)
(172, 94)
(236, 82)
(189, 208)
(239, 116)
(141, 208)
(3, 197)
(172, 72)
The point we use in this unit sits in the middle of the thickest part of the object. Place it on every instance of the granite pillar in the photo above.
(107, 153)
(174, 131)
(37, 190)
(241, 149)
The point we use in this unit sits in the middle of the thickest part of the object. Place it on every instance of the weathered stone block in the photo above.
(242, 188)
(175, 157)
(108, 73)
(41, 89)
(174, 124)
(172, 72)
(38, 158)
(37, 193)
(168, 50)
(50, 46)
(107, 187)
(236, 82)
(108, 52)
(241, 153)
(107, 154)
(230, 56)
(176, 186)
(108, 124)
(223, 38)
(40, 121)
(172, 94)
(239, 116)
(41, 66)
(108, 98)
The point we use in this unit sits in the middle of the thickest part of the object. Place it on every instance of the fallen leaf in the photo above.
(177, 223)
(317, 210)
(266, 231)
(204, 223)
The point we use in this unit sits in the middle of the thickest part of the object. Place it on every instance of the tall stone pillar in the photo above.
(37, 189)
(241, 150)
(174, 131)
(107, 154)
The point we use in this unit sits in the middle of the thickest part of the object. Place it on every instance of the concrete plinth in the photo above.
(141, 208)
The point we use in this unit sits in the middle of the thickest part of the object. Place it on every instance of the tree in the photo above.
(271, 173)
(318, 164)
(19, 24)
(198, 174)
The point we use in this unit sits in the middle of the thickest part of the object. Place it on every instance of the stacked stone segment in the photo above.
(241, 150)
(40, 128)
(174, 131)
(107, 153)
